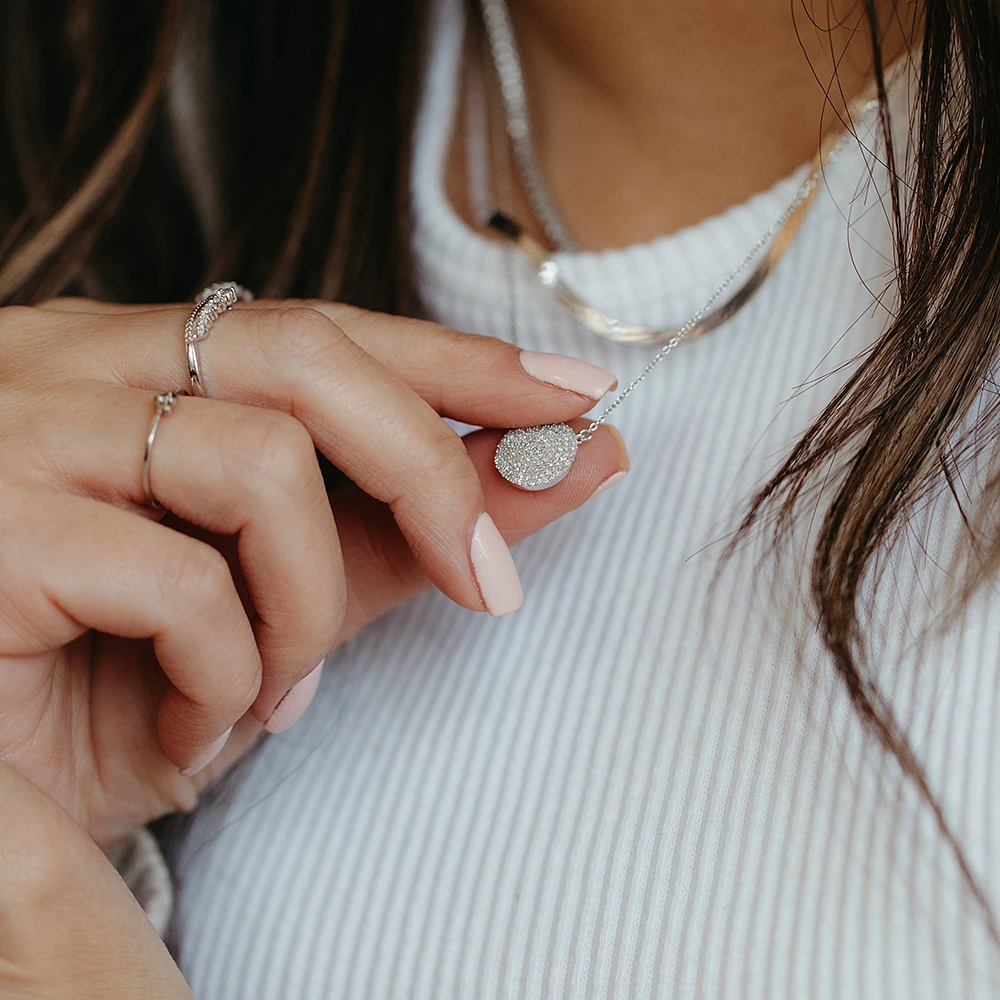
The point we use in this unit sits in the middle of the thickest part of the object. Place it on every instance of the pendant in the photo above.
(535, 458)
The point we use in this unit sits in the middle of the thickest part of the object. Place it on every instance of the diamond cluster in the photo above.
(535, 458)
(210, 304)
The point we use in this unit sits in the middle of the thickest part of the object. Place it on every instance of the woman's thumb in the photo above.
(381, 570)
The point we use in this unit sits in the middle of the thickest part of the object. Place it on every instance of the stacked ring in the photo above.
(164, 403)
(210, 304)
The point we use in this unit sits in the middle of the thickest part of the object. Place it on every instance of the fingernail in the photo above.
(291, 708)
(493, 565)
(609, 482)
(207, 755)
(568, 373)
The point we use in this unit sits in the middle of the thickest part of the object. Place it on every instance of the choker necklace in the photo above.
(535, 458)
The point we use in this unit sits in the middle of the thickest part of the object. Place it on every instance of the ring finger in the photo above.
(365, 419)
(229, 470)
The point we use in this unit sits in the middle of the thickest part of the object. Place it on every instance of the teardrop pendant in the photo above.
(535, 458)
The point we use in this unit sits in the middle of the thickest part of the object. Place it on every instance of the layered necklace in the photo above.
(535, 458)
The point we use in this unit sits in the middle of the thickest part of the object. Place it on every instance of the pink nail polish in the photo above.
(609, 482)
(493, 565)
(207, 755)
(568, 373)
(292, 707)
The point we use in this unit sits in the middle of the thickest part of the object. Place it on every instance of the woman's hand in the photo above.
(69, 928)
(131, 643)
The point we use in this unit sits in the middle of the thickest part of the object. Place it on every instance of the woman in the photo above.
(659, 777)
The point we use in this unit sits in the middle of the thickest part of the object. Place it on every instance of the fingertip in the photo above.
(293, 705)
(191, 735)
(626, 461)
(613, 480)
(568, 373)
(494, 569)
(206, 756)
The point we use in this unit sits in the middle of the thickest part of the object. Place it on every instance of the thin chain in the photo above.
(500, 35)
(804, 192)
(505, 199)
(503, 46)
(487, 158)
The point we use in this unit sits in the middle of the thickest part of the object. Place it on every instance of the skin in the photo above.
(69, 928)
(676, 111)
(130, 640)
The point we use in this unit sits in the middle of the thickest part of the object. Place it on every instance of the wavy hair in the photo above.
(153, 146)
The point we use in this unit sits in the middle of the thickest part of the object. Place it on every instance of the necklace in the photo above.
(535, 458)
(507, 62)
(510, 78)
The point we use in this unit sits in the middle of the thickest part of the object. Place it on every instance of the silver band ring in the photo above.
(210, 304)
(164, 404)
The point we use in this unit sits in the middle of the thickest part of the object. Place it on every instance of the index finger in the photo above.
(476, 379)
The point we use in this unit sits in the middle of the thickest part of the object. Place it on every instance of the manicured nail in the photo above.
(496, 574)
(609, 482)
(207, 755)
(291, 708)
(568, 373)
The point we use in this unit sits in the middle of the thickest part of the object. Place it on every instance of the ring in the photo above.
(164, 404)
(210, 304)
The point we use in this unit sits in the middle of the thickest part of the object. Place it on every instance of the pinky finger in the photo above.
(102, 568)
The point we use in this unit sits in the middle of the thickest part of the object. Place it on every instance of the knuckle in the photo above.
(197, 575)
(283, 453)
(305, 334)
(243, 686)
(443, 458)
(289, 338)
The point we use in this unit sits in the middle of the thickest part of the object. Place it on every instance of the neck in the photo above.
(675, 111)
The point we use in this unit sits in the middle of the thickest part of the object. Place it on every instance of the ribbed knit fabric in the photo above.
(637, 786)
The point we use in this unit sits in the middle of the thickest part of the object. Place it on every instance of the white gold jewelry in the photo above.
(507, 66)
(503, 46)
(535, 458)
(164, 403)
(211, 303)
(242, 293)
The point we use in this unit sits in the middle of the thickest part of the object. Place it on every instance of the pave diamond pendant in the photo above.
(535, 458)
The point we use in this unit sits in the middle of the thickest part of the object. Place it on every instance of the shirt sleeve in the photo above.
(141, 865)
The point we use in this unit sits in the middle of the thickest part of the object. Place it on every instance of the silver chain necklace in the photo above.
(535, 458)
(503, 47)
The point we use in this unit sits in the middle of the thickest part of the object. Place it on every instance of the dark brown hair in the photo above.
(893, 434)
(284, 159)
(282, 156)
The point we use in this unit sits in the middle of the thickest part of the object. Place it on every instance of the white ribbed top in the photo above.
(633, 787)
